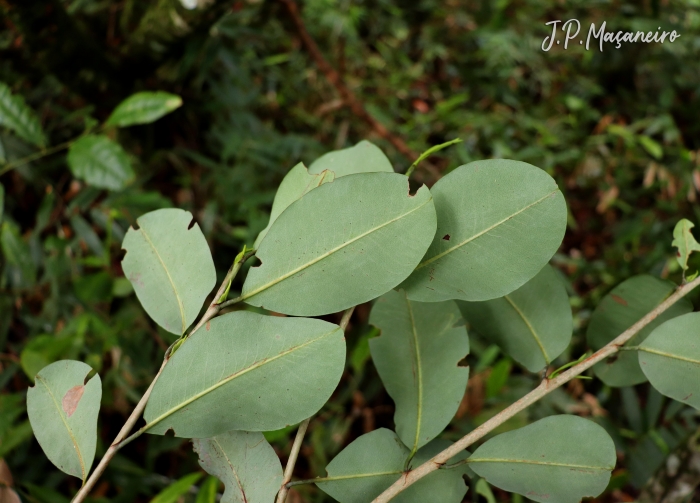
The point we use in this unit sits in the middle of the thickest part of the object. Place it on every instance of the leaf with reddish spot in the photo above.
(71, 399)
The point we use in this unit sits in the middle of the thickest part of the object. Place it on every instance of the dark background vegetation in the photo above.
(619, 130)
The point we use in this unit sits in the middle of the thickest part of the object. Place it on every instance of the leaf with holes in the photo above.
(143, 108)
(499, 223)
(18, 117)
(533, 324)
(684, 240)
(374, 461)
(169, 266)
(100, 162)
(297, 183)
(626, 304)
(558, 458)
(417, 358)
(245, 462)
(342, 244)
(63, 411)
(365, 157)
(670, 359)
(246, 371)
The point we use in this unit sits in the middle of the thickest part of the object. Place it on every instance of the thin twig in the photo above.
(345, 92)
(296, 446)
(546, 387)
(36, 155)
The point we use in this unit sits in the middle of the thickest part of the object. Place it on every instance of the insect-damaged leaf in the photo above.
(297, 183)
(626, 304)
(533, 324)
(100, 162)
(63, 413)
(374, 461)
(247, 371)
(684, 240)
(143, 107)
(670, 358)
(365, 157)
(245, 462)
(169, 266)
(416, 357)
(558, 458)
(342, 244)
(499, 223)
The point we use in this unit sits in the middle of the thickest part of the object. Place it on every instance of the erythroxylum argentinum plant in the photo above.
(346, 231)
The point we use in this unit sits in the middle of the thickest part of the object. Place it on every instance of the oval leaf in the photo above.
(670, 359)
(374, 461)
(169, 266)
(558, 458)
(533, 324)
(245, 462)
(18, 117)
(342, 244)
(249, 372)
(100, 162)
(63, 411)
(297, 183)
(626, 304)
(365, 157)
(416, 357)
(143, 107)
(499, 223)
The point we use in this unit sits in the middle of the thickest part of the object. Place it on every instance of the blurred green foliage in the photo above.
(617, 129)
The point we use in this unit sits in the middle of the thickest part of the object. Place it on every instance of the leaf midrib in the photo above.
(65, 423)
(233, 470)
(419, 378)
(359, 476)
(530, 328)
(669, 355)
(233, 376)
(541, 463)
(485, 231)
(330, 252)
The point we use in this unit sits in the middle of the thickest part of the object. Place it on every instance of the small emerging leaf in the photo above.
(365, 157)
(143, 108)
(245, 462)
(18, 117)
(100, 162)
(63, 412)
(684, 240)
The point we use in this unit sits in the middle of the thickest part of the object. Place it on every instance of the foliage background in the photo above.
(617, 129)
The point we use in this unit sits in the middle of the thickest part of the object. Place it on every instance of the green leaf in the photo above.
(297, 183)
(625, 305)
(499, 223)
(169, 266)
(670, 358)
(100, 162)
(18, 117)
(416, 357)
(684, 240)
(2, 200)
(374, 461)
(558, 458)
(533, 324)
(63, 411)
(245, 462)
(174, 492)
(207, 491)
(652, 147)
(365, 157)
(246, 371)
(143, 108)
(20, 266)
(341, 244)
(482, 488)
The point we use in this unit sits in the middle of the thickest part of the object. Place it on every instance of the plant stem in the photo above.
(296, 447)
(430, 152)
(36, 155)
(546, 387)
(331, 479)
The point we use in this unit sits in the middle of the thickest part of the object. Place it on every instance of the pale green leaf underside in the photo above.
(499, 223)
(684, 240)
(417, 358)
(246, 371)
(342, 244)
(63, 413)
(246, 464)
(670, 358)
(18, 117)
(365, 157)
(297, 183)
(143, 107)
(626, 304)
(169, 266)
(100, 162)
(533, 324)
(374, 461)
(556, 459)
